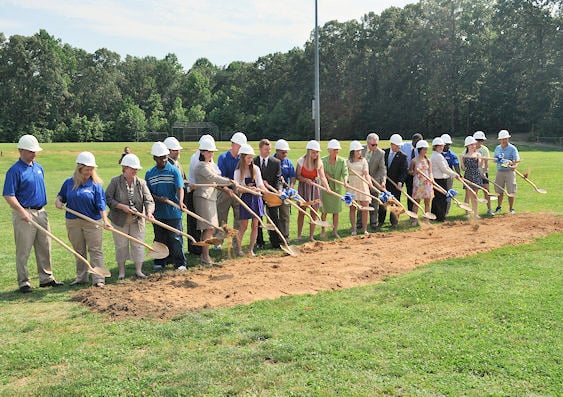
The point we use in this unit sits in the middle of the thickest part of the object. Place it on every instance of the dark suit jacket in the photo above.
(272, 173)
(398, 171)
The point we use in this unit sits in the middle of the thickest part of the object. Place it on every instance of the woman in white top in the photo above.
(441, 172)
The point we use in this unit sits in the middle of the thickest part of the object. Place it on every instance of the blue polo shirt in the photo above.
(508, 153)
(287, 170)
(26, 183)
(88, 199)
(451, 158)
(227, 164)
(164, 183)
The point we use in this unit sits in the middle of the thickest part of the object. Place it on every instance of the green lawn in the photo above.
(489, 324)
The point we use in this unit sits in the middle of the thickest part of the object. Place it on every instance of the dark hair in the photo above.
(201, 157)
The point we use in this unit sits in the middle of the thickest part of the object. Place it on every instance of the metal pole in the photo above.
(317, 107)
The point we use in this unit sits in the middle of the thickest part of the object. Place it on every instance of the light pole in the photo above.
(316, 99)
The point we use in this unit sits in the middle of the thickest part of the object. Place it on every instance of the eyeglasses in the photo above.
(373, 144)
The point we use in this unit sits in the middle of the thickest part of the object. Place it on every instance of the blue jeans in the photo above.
(174, 242)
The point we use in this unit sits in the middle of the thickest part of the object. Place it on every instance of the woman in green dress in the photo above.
(335, 167)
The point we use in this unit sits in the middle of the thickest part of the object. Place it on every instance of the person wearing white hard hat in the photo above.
(453, 163)
(175, 148)
(335, 167)
(409, 149)
(358, 165)
(127, 195)
(165, 182)
(83, 193)
(288, 182)
(375, 157)
(310, 169)
(227, 163)
(443, 176)
(422, 187)
(205, 197)
(191, 222)
(397, 171)
(485, 154)
(471, 164)
(25, 192)
(270, 170)
(248, 174)
(507, 159)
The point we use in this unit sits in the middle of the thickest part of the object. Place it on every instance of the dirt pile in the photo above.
(320, 266)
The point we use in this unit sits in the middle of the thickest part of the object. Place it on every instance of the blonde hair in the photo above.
(77, 176)
(241, 165)
(309, 163)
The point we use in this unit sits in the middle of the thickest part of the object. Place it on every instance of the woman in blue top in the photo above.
(83, 192)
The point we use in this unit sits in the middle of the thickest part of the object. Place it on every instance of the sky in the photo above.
(219, 30)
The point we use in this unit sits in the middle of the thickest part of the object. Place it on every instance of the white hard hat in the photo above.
(438, 141)
(313, 145)
(355, 145)
(87, 159)
(246, 149)
(502, 134)
(447, 139)
(207, 144)
(29, 142)
(172, 143)
(204, 137)
(130, 160)
(479, 135)
(333, 144)
(422, 143)
(396, 139)
(282, 144)
(159, 149)
(469, 140)
(239, 138)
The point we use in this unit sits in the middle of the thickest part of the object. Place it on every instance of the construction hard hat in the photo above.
(204, 137)
(503, 134)
(396, 139)
(447, 139)
(282, 144)
(131, 160)
(87, 159)
(469, 140)
(355, 145)
(421, 144)
(207, 144)
(438, 141)
(29, 142)
(479, 135)
(159, 149)
(246, 149)
(313, 145)
(172, 143)
(238, 138)
(333, 144)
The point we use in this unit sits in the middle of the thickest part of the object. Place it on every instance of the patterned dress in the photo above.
(360, 167)
(472, 172)
(330, 203)
(306, 191)
(422, 187)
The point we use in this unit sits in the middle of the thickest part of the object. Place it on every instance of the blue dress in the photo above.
(255, 203)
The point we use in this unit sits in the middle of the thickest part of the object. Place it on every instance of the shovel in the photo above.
(317, 222)
(354, 202)
(502, 188)
(157, 251)
(427, 215)
(462, 205)
(100, 271)
(525, 176)
(492, 196)
(470, 189)
(223, 230)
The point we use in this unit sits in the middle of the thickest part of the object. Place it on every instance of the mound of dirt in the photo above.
(320, 266)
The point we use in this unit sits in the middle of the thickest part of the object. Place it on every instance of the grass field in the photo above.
(489, 324)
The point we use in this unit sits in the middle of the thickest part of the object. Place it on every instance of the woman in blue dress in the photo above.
(248, 174)
(471, 164)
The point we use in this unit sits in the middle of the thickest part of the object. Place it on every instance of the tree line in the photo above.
(435, 66)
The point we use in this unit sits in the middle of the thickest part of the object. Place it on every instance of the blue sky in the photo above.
(222, 31)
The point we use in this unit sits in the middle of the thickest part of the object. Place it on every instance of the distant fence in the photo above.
(551, 140)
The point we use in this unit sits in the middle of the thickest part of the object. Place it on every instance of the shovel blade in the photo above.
(100, 271)
(540, 190)
(290, 250)
(160, 251)
(413, 214)
(429, 215)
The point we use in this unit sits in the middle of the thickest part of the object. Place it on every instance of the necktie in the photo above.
(263, 165)
(391, 157)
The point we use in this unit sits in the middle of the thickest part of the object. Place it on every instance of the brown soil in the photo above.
(320, 266)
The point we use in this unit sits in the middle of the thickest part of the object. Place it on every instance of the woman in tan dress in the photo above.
(360, 165)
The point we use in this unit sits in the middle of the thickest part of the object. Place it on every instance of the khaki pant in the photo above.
(224, 203)
(285, 216)
(125, 248)
(86, 236)
(26, 236)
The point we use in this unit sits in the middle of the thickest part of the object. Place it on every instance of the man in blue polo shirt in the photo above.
(507, 158)
(165, 182)
(24, 190)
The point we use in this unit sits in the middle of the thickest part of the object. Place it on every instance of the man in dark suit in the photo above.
(397, 171)
(270, 168)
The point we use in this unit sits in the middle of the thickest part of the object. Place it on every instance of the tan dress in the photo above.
(205, 198)
(360, 167)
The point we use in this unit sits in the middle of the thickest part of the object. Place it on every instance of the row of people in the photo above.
(127, 195)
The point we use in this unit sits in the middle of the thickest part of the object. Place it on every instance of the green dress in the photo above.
(330, 203)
